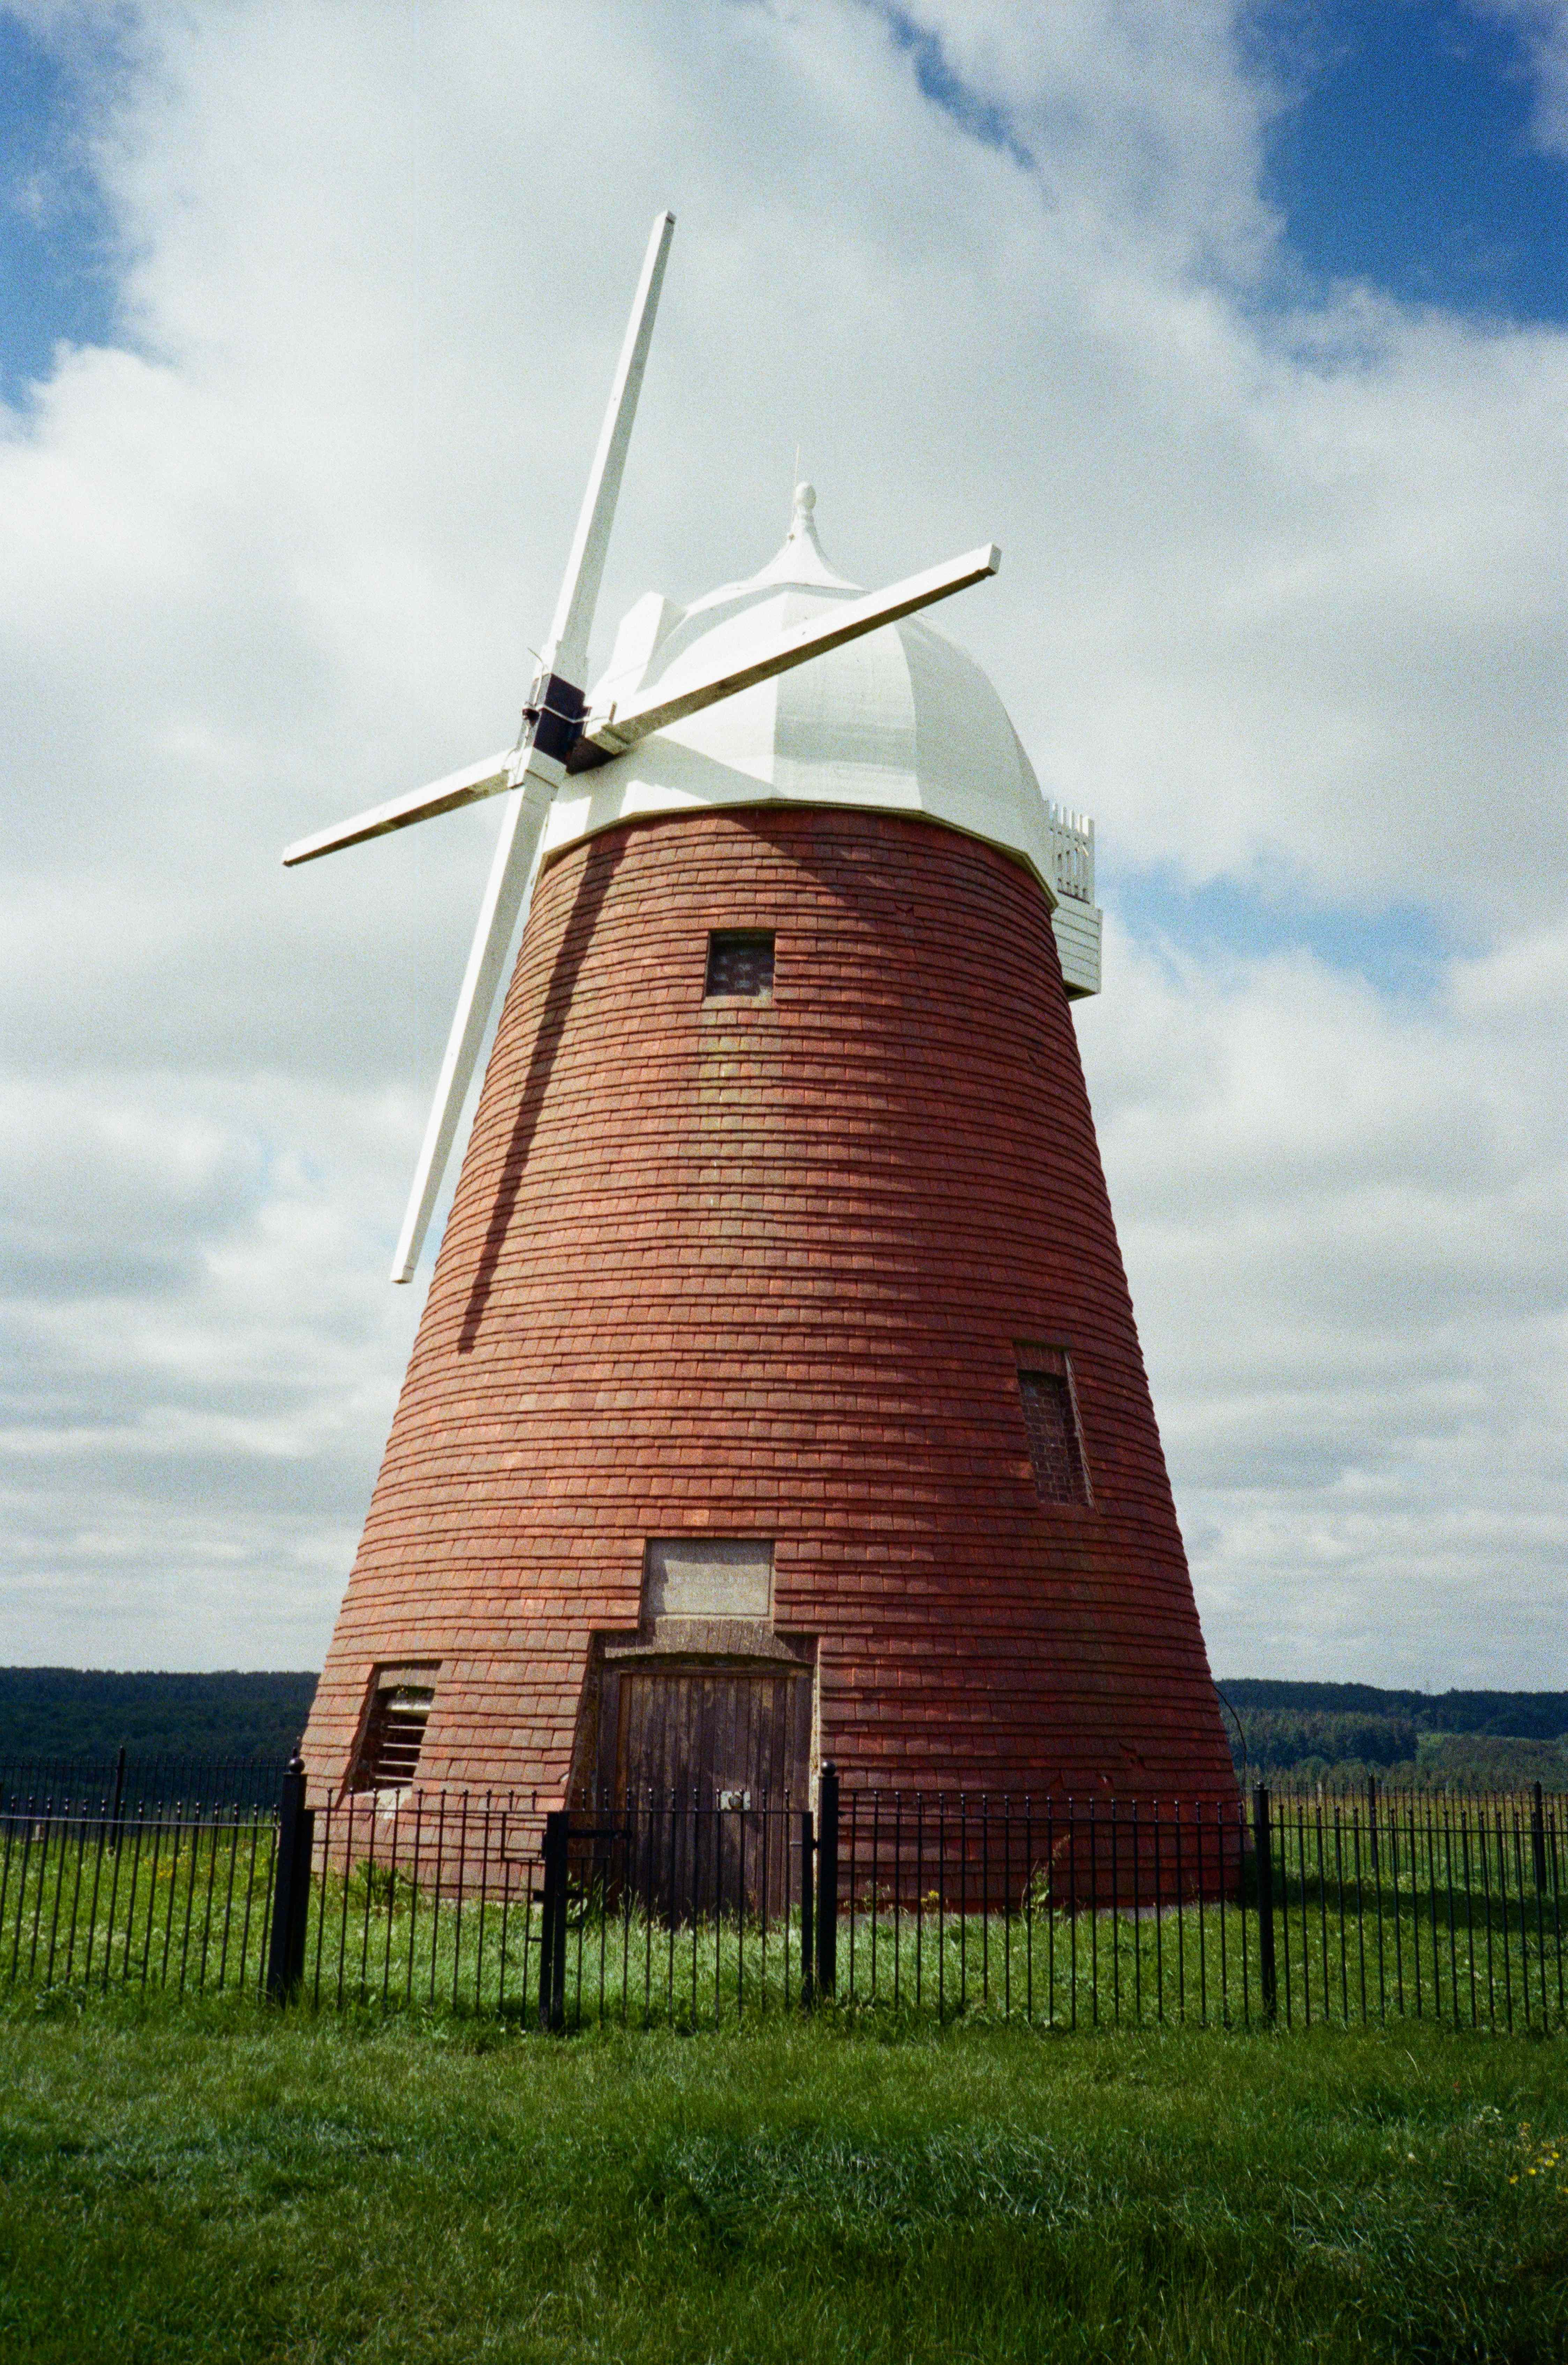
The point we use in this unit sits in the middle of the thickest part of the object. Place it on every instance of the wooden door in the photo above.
(714, 1763)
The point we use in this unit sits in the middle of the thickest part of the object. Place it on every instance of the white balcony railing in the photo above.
(1073, 841)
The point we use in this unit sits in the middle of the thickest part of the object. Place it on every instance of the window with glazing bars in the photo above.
(1050, 1418)
(740, 962)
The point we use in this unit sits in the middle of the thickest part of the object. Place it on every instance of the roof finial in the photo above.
(801, 560)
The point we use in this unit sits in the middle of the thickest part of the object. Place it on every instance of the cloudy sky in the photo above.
(1243, 329)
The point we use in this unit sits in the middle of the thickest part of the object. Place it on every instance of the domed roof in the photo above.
(900, 720)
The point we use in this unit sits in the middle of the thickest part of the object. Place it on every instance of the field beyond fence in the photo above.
(1295, 1911)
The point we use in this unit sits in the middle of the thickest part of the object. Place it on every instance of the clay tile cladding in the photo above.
(771, 1267)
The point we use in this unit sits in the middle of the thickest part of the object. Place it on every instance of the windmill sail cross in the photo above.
(558, 735)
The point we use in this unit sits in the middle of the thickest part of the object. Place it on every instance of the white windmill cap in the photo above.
(901, 720)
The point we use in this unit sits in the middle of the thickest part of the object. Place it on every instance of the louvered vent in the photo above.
(740, 962)
(394, 1736)
(1050, 1417)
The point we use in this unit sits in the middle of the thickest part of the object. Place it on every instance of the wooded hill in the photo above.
(1340, 1733)
(84, 1715)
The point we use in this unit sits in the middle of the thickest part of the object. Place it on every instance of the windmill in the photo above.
(777, 1393)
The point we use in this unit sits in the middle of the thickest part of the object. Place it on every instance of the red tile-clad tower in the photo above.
(780, 1330)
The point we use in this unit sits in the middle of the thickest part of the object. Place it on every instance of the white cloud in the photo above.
(1143, 125)
(201, 1358)
(1281, 597)
(1543, 28)
(1344, 1221)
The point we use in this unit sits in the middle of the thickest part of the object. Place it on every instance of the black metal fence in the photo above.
(161, 1898)
(122, 1787)
(1292, 1910)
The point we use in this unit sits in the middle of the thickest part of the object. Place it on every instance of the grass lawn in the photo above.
(217, 2182)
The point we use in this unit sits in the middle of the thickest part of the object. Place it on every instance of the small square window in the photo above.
(740, 962)
(1050, 1418)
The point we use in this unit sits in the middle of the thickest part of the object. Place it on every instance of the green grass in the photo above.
(218, 2182)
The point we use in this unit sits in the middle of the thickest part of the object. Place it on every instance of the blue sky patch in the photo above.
(1406, 158)
(57, 247)
(946, 88)
(1399, 949)
(1403, 156)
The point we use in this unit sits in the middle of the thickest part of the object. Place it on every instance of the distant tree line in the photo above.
(1341, 1734)
(84, 1715)
(1338, 1733)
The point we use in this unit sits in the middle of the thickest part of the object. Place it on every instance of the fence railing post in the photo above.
(552, 1922)
(291, 1886)
(117, 1810)
(1263, 1862)
(1538, 1836)
(808, 1912)
(1372, 1819)
(827, 1881)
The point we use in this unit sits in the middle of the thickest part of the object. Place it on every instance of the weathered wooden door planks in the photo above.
(712, 1748)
